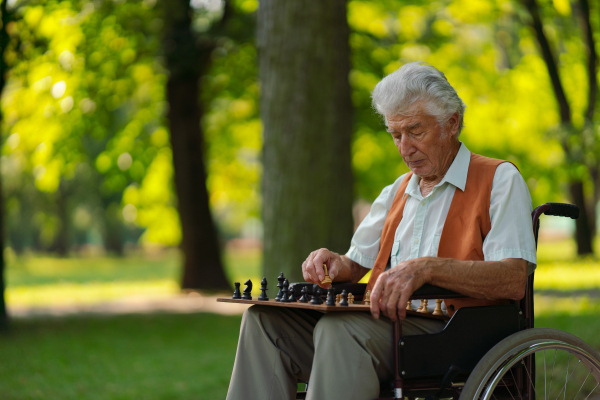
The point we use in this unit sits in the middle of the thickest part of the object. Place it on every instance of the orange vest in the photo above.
(467, 224)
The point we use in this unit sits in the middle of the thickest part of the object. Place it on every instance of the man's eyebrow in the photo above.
(413, 126)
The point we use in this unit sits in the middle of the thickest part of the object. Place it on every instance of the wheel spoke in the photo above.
(516, 387)
(552, 374)
(593, 390)
(545, 395)
(584, 381)
(567, 380)
(529, 376)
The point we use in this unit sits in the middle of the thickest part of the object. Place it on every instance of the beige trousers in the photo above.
(342, 355)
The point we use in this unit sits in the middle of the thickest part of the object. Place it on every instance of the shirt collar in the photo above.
(456, 174)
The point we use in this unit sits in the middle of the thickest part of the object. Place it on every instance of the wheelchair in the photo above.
(490, 352)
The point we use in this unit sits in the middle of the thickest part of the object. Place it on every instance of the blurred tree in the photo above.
(579, 145)
(306, 111)
(187, 59)
(5, 17)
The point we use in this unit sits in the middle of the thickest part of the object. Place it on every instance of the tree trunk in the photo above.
(306, 112)
(186, 61)
(591, 139)
(583, 234)
(4, 39)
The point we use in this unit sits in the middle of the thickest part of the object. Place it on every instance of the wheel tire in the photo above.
(509, 348)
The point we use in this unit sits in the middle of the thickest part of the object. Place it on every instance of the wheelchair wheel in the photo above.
(565, 368)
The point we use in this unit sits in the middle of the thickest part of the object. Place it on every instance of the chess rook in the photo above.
(344, 301)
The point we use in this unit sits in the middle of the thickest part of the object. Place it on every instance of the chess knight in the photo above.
(457, 220)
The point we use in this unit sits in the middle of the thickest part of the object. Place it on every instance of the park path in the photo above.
(179, 303)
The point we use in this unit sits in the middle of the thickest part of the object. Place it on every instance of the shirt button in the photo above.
(416, 241)
(423, 203)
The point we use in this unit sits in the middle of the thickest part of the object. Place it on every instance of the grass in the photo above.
(46, 281)
(150, 357)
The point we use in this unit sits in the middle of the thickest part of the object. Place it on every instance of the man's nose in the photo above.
(406, 147)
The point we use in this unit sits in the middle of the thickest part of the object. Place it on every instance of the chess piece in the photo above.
(326, 280)
(330, 297)
(438, 307)
(344, 301)
(263, 290)
(350, 298)
(304, 297)
(284, 292)
(236, 292)
(292, 298)
(338, 298)
(420, 308)
(424, 310)
(247, 290)
(316, 298)
(409, 306)
(368, 298)
(280, 280)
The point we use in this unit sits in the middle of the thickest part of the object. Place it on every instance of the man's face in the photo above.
(425, 146)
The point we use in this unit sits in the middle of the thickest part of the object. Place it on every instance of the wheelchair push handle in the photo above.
(563, 210)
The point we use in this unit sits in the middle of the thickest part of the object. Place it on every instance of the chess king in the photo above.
(457, 220)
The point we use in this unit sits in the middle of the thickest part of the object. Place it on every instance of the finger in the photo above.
(391, 305)
(335, 265)
(402, 302)
(310, 270)
(376, 296)
(322, 256)
(304, 273)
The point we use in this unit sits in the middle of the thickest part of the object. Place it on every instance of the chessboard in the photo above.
(323, 307)
(312, 298)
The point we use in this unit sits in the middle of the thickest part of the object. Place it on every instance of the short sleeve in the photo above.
(365, 242)
(511, 235)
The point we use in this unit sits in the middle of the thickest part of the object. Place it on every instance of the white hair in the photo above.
(414, 82)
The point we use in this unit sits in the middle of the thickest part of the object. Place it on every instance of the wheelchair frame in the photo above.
(471, 341)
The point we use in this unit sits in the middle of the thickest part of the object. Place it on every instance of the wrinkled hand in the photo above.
(312, 268)
(394, 287)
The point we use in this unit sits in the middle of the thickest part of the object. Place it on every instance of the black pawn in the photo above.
(304, 297)
(280, 286)
(330, 297)
(292, 298)
(236, 292)
(284, 292)
(316, 299)
(344, 301)
(263, 290)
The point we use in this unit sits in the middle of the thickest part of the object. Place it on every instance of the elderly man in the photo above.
(456, 220)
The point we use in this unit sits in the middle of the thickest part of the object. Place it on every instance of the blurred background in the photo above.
(153, 152)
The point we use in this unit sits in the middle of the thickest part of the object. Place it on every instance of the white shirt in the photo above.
(420, 230)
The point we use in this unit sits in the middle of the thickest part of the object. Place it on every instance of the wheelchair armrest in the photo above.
(426, 291)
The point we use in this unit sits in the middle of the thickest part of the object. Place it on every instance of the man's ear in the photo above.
(452, 124)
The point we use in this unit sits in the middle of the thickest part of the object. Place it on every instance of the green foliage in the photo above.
(86, 155)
